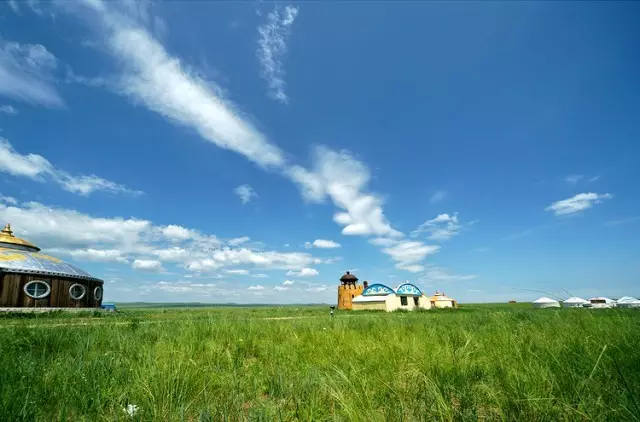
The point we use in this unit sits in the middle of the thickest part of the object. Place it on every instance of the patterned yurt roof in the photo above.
(408, 289)
(23, 257)
(378, 289)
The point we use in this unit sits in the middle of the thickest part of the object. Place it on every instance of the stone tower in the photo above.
(347, 290)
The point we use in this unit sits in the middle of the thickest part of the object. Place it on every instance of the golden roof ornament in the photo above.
(7, 230)
(7, 238)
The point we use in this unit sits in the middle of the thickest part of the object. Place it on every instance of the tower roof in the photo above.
(7, 239)
(348, 277)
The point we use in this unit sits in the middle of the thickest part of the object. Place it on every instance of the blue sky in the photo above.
(253, 152)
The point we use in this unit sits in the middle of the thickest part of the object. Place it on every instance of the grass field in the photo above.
(293, 363)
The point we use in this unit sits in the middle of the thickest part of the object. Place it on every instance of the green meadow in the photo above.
(484, 362)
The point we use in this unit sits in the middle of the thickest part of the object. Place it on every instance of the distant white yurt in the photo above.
(574, 302)
(545, 302)
(602, 302)
(628, 302)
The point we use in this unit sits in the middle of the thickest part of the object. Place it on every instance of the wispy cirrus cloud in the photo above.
(577, 203)
(7, 109)
(245, 193)
(27, 74)
(443, 227)
(274, 35)
(164, 84)
(36, 167)
(434, 273)
(169, 87)
(622, 221)
(438, 196)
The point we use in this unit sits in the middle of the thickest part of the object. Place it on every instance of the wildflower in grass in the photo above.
(131, 409)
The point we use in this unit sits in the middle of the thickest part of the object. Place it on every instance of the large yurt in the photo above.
(545, 302)
(574, 302)
(601, 302)
(30, 279)
(628, 302)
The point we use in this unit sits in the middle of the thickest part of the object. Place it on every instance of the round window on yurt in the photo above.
(37, 289)
(77, 291)
(97, 293)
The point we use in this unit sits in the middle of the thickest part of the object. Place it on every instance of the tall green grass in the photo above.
(474, 363)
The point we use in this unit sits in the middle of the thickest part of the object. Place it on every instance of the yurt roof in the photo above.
(606, 299)
(378, 289)
(408, 289)
(575, 299)
(628, 299)
(441, 297)
(20, 256)
(545, 300)
(7, 239)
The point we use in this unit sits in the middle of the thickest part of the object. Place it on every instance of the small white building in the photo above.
(574, 302)
(380, 297)
(545, 302)
(628, 302)
(601, 302)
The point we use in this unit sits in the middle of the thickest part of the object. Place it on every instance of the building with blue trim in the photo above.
(378, 296)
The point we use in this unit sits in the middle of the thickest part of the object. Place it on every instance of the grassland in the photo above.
(294, 363)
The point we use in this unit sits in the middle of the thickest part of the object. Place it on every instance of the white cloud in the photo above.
(259, 275)
(173, 254)
(622, 221)
(318, 289)
(274, 35)
(322, 244)
(38, 168)
(27, 74)
(256, 287)
(593, 179)
(305, 272)
(573, 178)
(8, 200)
(63, 228)
(288, 282)
(577, 203)
(344, 179)
(8, 109)
(245, 193)
(177, 233)
(149, 265)
(99, 255)
(443, 227)
(62, 231)
(437, 196)
(280, 288)
(442, 274)
(14, 5)
(165, 85)
(238, 240)
(237, 272)
(225, 257)
(408, 254)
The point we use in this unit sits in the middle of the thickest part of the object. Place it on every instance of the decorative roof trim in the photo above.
(408, 289)
(378, 289)
(4, 270)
